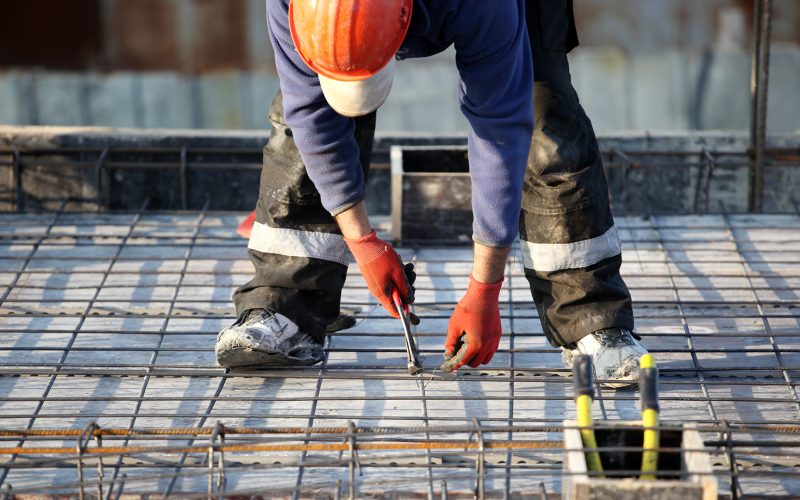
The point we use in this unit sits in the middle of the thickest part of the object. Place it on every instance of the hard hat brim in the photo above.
(359, 97)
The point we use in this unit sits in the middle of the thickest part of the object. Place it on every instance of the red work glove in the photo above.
(474, 330)
(382, 270)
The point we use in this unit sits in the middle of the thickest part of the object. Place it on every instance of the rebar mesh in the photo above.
(109, 321)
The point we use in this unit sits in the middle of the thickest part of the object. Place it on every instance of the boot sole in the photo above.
(241, 358)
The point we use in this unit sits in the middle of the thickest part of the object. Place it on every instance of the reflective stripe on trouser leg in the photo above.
(570, 245)
(574, 255)
(297, 243)
(296, 248)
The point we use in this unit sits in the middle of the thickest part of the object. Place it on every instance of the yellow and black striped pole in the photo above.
(583, 379)
(648, 391)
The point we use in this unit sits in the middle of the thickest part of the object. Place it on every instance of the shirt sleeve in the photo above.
(324, 138)
(496, 96)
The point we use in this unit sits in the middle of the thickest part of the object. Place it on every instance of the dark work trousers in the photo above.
(569, 244)
(296, 247)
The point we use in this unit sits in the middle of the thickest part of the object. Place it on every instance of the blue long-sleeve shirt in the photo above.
(494, 62)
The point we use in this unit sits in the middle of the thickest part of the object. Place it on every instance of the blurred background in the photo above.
(652, 65)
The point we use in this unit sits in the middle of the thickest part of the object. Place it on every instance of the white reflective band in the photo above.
(557, 256)
(296, 243)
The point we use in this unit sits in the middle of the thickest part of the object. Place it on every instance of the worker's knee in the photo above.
(564, 166)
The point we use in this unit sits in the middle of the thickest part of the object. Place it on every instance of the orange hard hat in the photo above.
(348, 40)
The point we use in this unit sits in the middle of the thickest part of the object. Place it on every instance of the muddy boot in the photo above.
(615, 355)
(263, 339)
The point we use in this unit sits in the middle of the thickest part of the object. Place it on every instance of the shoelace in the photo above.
(264, 314)
(270, 315)
(613, 336)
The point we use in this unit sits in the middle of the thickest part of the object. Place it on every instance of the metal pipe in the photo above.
(184, 180)
(759, 84)
(17, 172)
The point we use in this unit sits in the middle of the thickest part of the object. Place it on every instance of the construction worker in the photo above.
(534, 164)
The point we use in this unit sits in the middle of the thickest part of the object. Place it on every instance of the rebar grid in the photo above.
(111, 319)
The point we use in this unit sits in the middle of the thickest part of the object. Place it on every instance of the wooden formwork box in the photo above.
(693, 473)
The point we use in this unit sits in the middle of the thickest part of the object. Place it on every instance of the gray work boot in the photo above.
(265, 339)
(615, 356)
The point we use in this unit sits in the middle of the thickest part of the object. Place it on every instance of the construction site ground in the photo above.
(111, 318)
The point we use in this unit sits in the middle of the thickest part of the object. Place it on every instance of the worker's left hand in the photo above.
(473, 334)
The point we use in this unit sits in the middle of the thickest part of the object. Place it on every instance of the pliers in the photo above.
(414, 365)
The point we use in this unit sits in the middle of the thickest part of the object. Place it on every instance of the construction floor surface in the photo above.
(112, 318)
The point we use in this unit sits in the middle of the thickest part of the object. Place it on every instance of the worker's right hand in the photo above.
(473, 334)
(383, 271)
